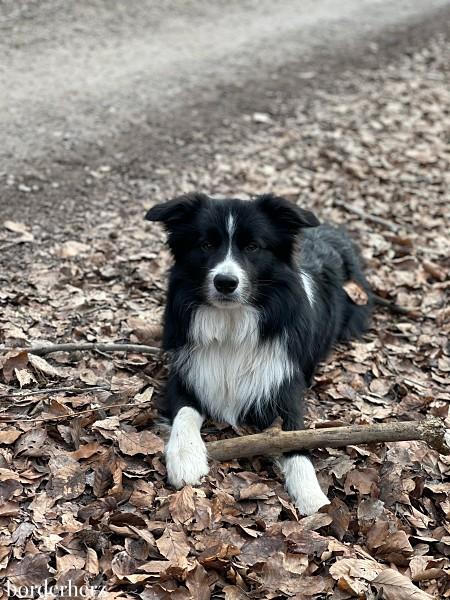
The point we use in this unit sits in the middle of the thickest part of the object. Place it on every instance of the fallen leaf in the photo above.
(32, 569)
(396, 549)
(42, 366)
(91, 564)
(218, 556)
(173, 544)
(142, 442)
(182, 505)
(14, 360)
(259, 491)
(15, 226)
(340, 514)
(68, 479)
(32, 443)
(122, 564)
(356, 293)
(356, 568)
(197, 583)
(9, 435)
(24, 377)
(395, 586)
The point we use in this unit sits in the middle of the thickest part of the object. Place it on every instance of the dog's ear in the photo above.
(286, 214)
(177, 211)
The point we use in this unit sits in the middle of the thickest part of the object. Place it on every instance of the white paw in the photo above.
(187, 464)
(186, 456)
(308, 505)
(302, 484)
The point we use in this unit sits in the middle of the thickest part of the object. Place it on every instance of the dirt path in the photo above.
(134, 87)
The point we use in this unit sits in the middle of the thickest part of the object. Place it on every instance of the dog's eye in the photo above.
(206, 246)
(252, 247)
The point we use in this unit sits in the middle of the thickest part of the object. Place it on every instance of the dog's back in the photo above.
(332, 259)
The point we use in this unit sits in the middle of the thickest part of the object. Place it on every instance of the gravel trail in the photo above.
(136, 87)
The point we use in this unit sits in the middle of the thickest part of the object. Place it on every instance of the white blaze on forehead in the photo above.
(229, 265)
(230, 228)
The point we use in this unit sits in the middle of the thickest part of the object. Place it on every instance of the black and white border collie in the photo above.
(255, 302)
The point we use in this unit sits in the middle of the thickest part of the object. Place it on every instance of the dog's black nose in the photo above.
(225, 284)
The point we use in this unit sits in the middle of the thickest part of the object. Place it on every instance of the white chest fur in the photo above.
(226, 364)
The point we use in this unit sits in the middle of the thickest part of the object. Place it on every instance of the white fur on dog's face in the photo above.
(228, 266)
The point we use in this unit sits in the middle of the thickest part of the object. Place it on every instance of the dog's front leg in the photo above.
(302, 484)
(299, 473)
(186, 456)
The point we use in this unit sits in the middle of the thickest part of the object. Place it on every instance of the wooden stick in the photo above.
(74, 347)
(366, 216)
(275, 441)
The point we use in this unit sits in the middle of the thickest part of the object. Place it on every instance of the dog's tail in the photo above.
(395, 308)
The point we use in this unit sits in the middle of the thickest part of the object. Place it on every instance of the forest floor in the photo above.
(83, 494)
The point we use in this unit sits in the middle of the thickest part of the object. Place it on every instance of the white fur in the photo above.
(186, 456)
(231, 226)
(227, 366)
(228, 266)
(302, 484)
(308, 286)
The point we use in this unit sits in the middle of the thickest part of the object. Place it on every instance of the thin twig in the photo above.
(54, 390)
(79, 347)
(72, 415)
(367, 216)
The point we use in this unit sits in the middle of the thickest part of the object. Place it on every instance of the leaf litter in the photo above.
(83, 493)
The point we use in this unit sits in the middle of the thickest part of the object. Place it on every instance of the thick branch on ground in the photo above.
(275, 441)
(135, 348)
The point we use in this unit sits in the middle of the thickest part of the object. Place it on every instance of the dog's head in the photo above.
(232, 250)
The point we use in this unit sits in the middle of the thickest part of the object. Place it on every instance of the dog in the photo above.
(255, 302)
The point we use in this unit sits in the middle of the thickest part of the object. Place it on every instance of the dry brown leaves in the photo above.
(83, 495)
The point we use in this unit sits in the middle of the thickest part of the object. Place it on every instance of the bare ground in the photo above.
(146, 90)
